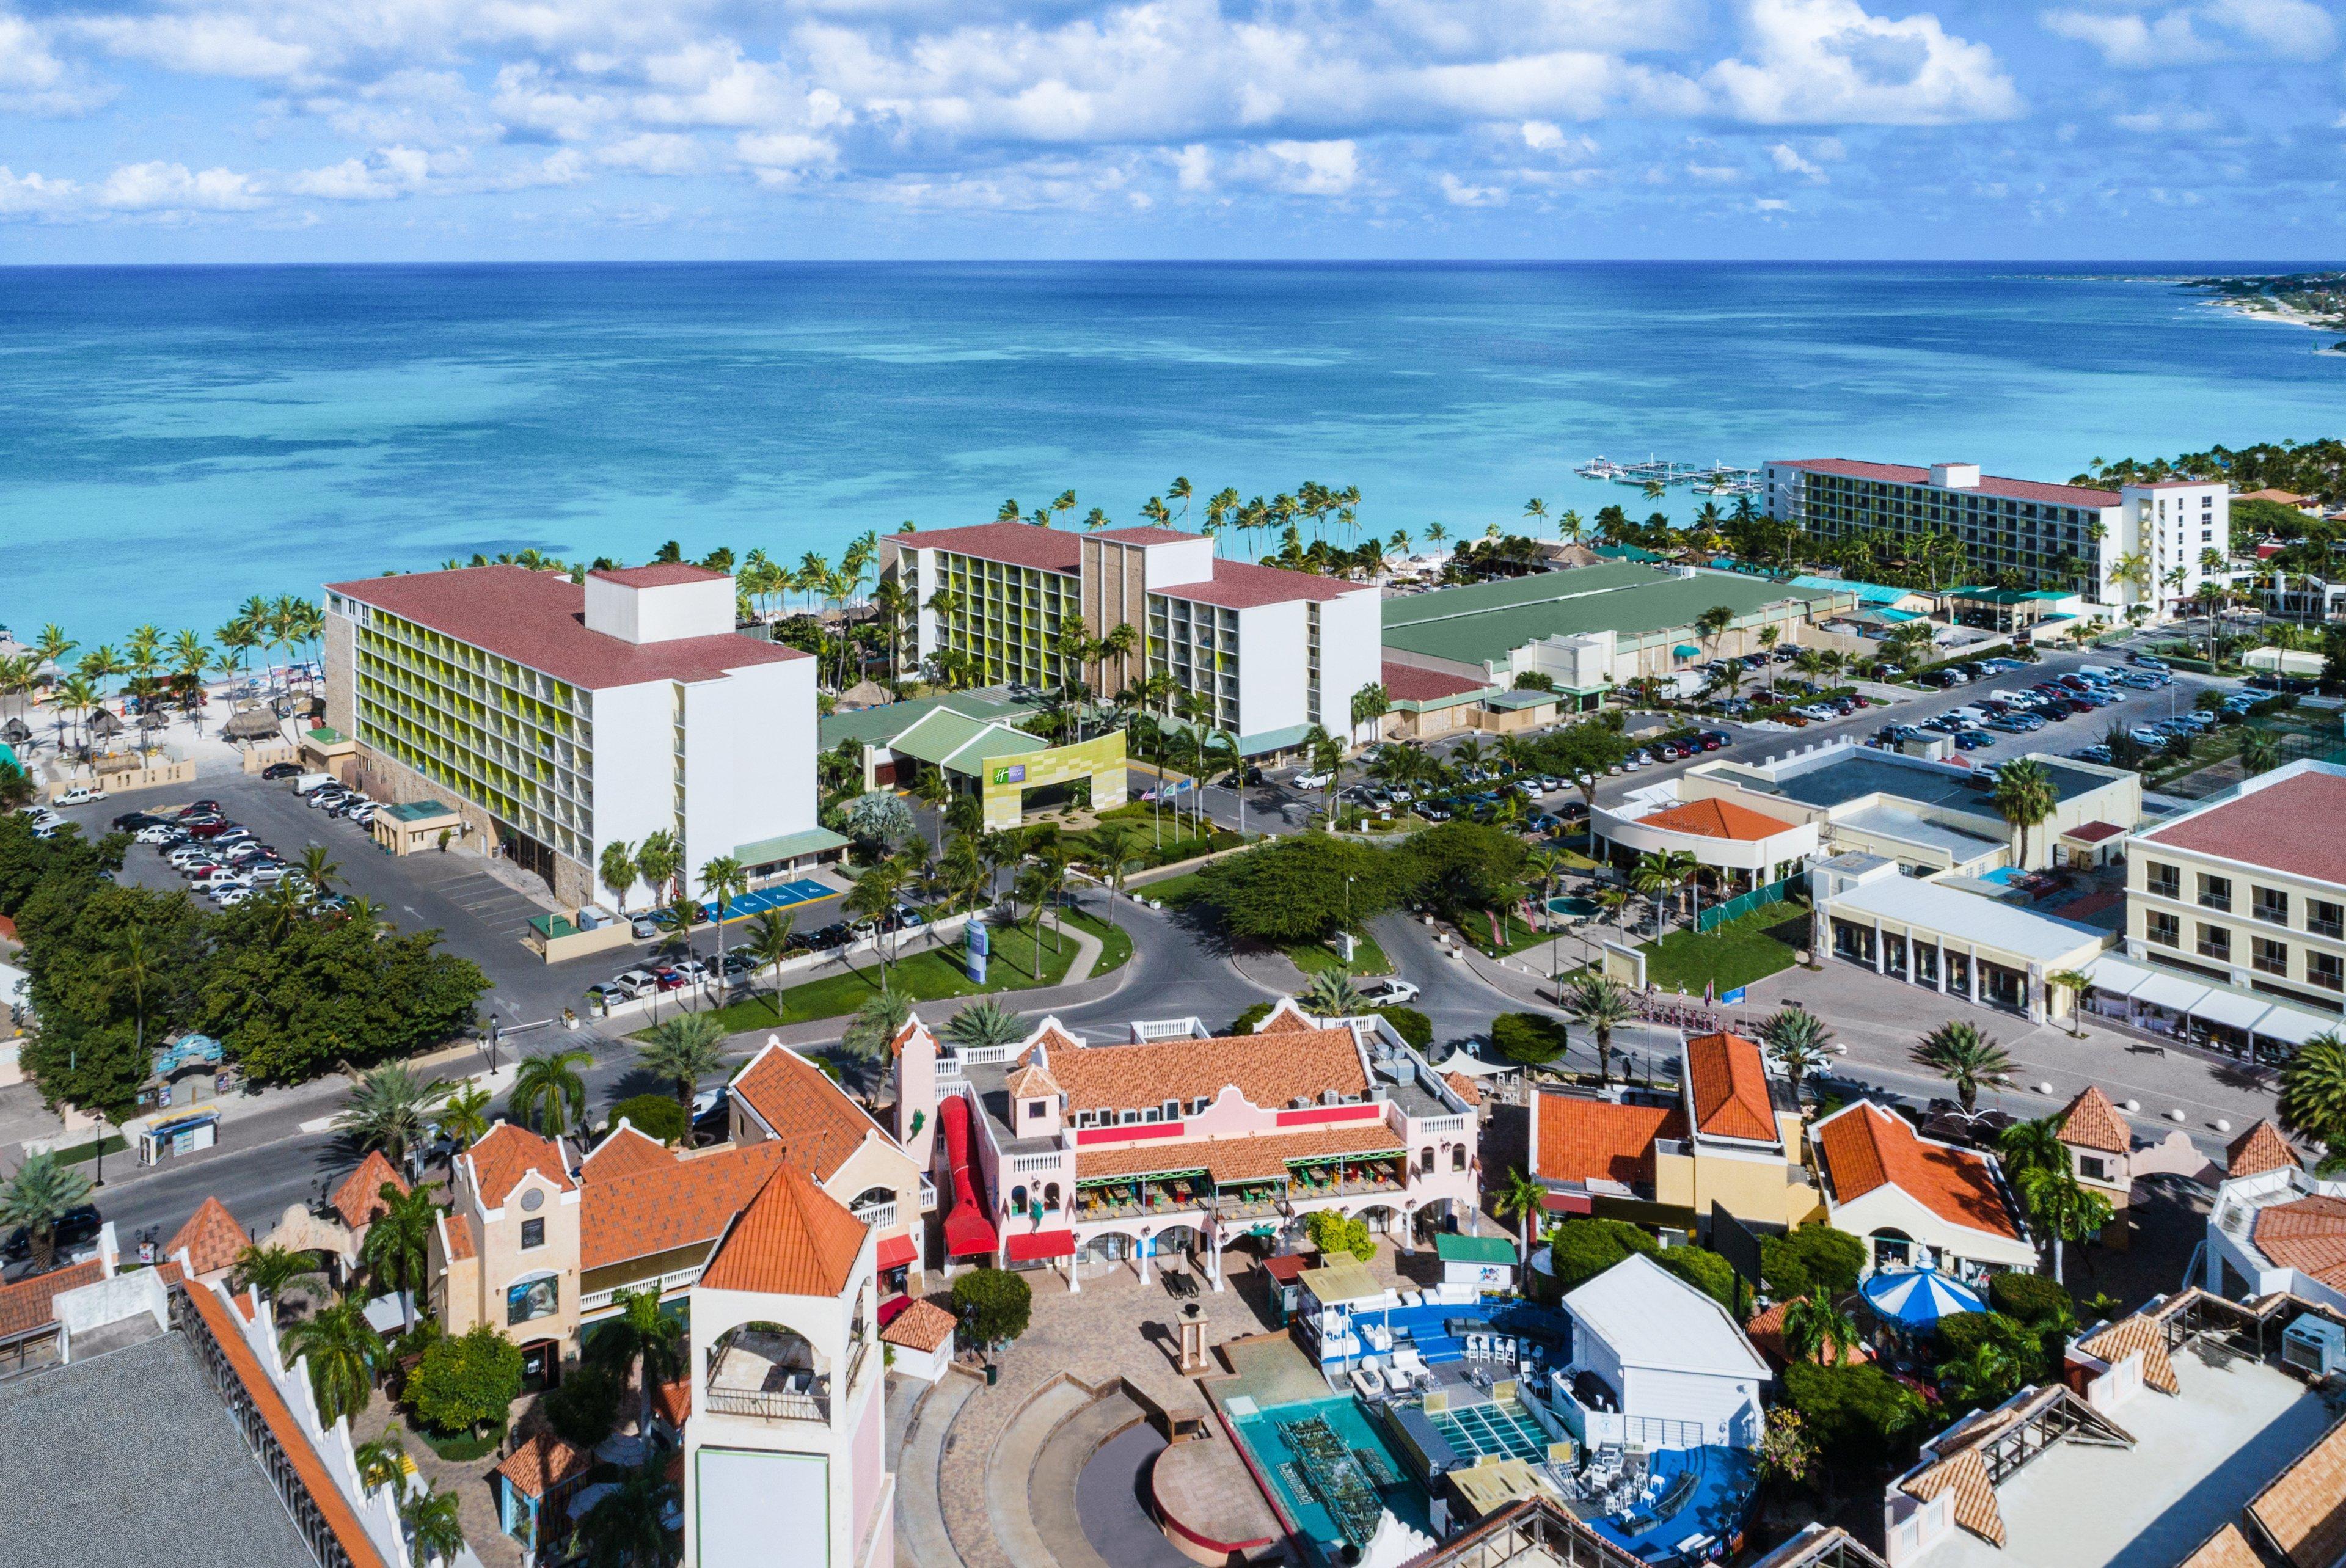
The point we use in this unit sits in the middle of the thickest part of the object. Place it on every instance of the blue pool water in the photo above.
(1278, 1462)
(1579, 908)
(2003, 876)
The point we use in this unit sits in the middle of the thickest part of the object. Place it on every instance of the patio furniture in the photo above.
(1367, 1383)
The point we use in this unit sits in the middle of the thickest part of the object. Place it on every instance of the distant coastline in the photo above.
(2315, 299)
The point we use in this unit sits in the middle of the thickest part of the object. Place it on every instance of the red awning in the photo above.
(1567, 1203)
(895, 1251)
(892, 1308)
(1037, 1246)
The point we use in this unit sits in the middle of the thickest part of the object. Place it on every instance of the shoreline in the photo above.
(2321, 305)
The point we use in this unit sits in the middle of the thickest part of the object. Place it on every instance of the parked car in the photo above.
(691, 968)
(76, 1227)
(634, 982)
(277, 770)
(158, 836)
(1388, 993)
(665, 978)
(80, 795)
(609, 992)
(1311, 781)
(643, 928)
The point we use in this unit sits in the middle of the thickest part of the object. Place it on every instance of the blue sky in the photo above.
(230, 130)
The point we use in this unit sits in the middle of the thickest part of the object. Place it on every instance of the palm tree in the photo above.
(1799, 1039)
(435, 1532)
(273, 1271)
(1960, 1054)
(658, 861)
(876, 896)
(1331, 994)
(770, 942)
(641, 1337)
(875, 1023)
(984, 1024)
(1653, 876)
(1814, 1326)
(343, 1351)
(381, 1461)
(618, 872)
(627, 1529)
(2025, 797)
(723, 879)
(2075, 983)
(318, 868)
(685, 1049)
(548, 1090)
(43, 1191)
(2312, 1102)
(1525, 1199)
(2259, 751)
(389, 1108)
(1599, 1004)
(464, 1118)
(1114, 845)
(1984, 1377)
(1769, 637)
(397, 1251)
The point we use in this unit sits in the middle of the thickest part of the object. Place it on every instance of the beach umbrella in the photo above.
(1916, 1299)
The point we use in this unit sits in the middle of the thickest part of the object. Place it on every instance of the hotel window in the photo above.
(2270, 956)
(2324, 918)
(533, 1234)
(2270, 905)
(2092, 1168)
(2215, 941)
(2215, 893)
(2326, 969)
(2166, 882)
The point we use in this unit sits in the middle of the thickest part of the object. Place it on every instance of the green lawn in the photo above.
(83, 1150)
(1173, 891)
(1313, 957)
(926, 976)
(1737, 953)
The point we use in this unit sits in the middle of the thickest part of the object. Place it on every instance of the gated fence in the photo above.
(1742, 904)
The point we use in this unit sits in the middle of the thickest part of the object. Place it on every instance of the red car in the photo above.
(668, 979)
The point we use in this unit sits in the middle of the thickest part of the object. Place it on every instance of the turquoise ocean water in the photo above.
(173, 440)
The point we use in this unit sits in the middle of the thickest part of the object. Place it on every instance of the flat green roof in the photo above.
(877, 725)
(789, 845)
(422, 811)
(1452, 1247)
(1484, 632)
(1538, 587)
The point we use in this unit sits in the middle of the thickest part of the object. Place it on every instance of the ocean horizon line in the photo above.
(2150, 268)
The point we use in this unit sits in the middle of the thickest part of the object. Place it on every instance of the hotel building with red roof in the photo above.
(551, 719)
(1275, 651)
(2054, 536)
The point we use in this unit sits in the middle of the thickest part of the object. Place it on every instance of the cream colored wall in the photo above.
(1765, 1191)
(2140, 901)
(879, 1164)
(1889, 1208)
(503, 1260)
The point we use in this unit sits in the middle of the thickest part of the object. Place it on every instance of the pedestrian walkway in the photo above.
(922, 1539)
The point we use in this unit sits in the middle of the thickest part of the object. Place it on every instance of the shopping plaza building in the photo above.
(1276, 651)
(2019, 526)
(554, 718)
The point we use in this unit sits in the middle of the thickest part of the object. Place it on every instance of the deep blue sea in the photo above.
(174, 440)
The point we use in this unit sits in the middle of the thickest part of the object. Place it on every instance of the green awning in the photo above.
(1455, 1249)
(789, 846)
(1687, 650)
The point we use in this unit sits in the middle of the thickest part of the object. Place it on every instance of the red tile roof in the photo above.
(2094, 833)
(509, 1152)
(538, 619)
(2259, 1149)
(1710, 818)
(358, 1198)
(1259, 1158)
(660, 574)
(811, 1116)
(794, 1240)
(212, 1239)
(1989, 485)
(659, 1208)
(26, 1305)
(456, 1230)
(1012, 543)
(1464, 1087)
(625, 1152)
(1242, 586)
(672, 1401)
(544, 1462)
(1581, 1138)
(923, 1326)
(2266, 828)
(1407, 683)
(1865, 1147)
(1307, 1063)
(1730, 1085)
(2091, 1122)
(1146, 534)
(2309, 1235)
(1766, 1333)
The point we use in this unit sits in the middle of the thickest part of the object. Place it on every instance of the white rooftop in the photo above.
(1914, 828)
(1651, 1318)
(2197, 1458)
(2002, 926)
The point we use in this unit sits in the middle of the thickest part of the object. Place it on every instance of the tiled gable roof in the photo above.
(1766, 1331)
(2228, 1548)
(1864, 1146)
(2140, 1332)
(507, 1154)
(1714, 818)
(662, 1207)
(2259, 1149)
(1966, 1476)
(672, 1401)
(1465, 1088)
(1031, 1082)
(794, 1240)
(2091, 1122)
(923, 1326)
(811, 1116)
(2308, 1234)
(624, 1153)
(457, 1234)
(1261, 1158)
(544, 1462)
(1306, 1063)
(358, 1198)
(26, 1305)
(1285, 1018)
(211, 1238)
(2303, 1510)
(1730, 1085)
(1581, 1139)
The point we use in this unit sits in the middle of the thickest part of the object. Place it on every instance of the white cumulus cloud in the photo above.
(159, 185)
(2148, 39)
(1830, 62)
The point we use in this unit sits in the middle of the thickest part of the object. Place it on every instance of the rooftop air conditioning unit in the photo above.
(2314, 1346)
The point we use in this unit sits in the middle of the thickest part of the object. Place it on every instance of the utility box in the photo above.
(2314, 1346)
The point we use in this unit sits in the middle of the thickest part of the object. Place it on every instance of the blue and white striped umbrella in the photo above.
(1919, 1298)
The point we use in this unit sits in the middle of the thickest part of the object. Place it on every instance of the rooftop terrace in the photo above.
(1851, 772)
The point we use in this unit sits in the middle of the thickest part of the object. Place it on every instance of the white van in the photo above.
(310, 783)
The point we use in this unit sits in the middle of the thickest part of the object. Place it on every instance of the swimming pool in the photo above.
(2004, 876)
(1278, 1437)
(1577, 908)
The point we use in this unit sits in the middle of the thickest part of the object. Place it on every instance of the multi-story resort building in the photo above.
(551, 719)
(1178, 1143)
(1274, 651)
(2138, 545)
(2236, 918)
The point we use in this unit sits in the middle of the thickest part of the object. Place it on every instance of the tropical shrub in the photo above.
(1531, 1038)
(1704, 1270)
(2031, 1299)
(1412, 1025)
(465, 1382)
(993, 1304)
(583, 1411)
(654, 1115)
(1334, 1235)
(1855, 1410)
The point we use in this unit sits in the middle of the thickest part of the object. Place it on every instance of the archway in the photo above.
(766, 1369)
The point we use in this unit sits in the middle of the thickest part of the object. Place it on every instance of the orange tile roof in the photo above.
(1966, 1476)
(662, 1207)
(672, 1401)
(1865, 1146)
(1581, 1138)
(794, 1240)
(1766, 1332)
(1285, 1018)
(625, 1152)
(456, 1231)
(2228, 1548)
(1729, 1083)
(26, 1305)
(811, 1116)
(212, 1239)
(1031, 1083)
(358, 1198)
(544, 1462)
(2140, 1332)
(1307, 1062)
(2259, 1149)
(923, 1326)
(502, 1158)
(1714, 818)
(2303, 1510)
(2091, 1122)
(1261, 1158)
(2309, 1235)
(1464, 1087)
